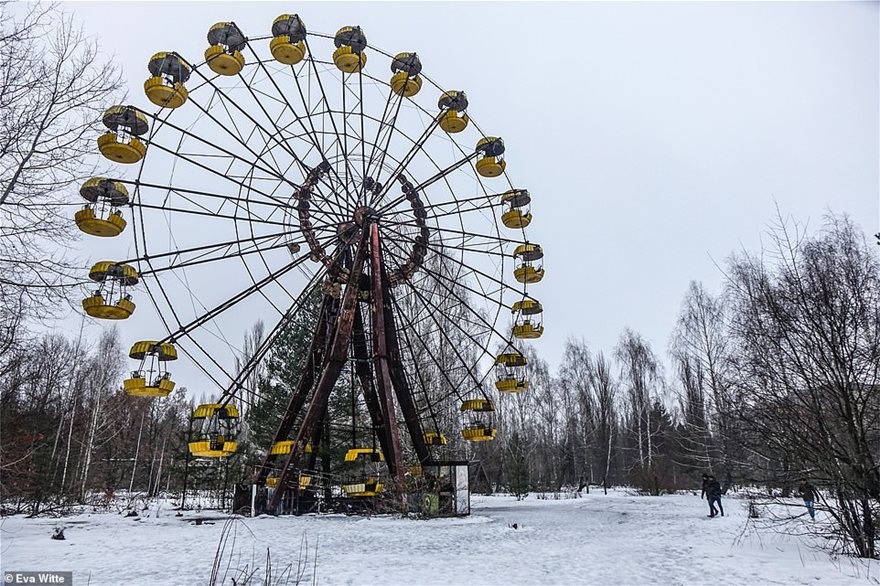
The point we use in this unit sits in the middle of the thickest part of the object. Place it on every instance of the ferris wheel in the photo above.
(283, 164)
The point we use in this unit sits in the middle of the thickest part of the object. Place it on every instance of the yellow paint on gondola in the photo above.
(512, 385)
(487, 165)
(288, 39)
(433, 438)
(453, 122)
(208, 449)
(371, 488)
(207, 410)
(285, 51)
(528, 331)
(164, 95)
(140, 387)
(527, 307)
(88, 222)
(95, 306)
(374, 454)
(107, 269)
(119, 274)
(478, 405)
(403, 85)
(223, 63)
(165, 86)
(285, 447)
(304, 481)
(528, 274)
(516, 198)
(163, 350)
(97, 188)
(479, 434)
(511, 359)
(348, 61)
(452, 117)
(125, 147)
(491, 166)
(121, 152)
(530, 252)
(516, 219)
(405, 80)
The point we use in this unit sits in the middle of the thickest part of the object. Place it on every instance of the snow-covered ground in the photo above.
(596, 539)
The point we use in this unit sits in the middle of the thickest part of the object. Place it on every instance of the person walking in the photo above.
(808, 493)
(705, 484)
(713, 493)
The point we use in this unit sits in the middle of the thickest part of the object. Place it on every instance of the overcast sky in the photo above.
(654, 138)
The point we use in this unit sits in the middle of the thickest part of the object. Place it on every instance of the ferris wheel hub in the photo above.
(365, 215)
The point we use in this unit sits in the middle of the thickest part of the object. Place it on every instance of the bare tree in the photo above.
(54, 86)
(806, 316)
(253, 340)
(639, 376)
(605, 392)
(575, 382)
(701, 350)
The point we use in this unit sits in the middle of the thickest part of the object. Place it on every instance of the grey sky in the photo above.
(655, 138)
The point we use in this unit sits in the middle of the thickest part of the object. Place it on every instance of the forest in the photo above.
(769, 382)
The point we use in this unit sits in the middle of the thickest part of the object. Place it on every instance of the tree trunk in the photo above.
(137, 450)
(90, 445)
(67, 450)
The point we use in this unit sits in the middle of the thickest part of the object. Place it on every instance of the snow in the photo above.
(597, 539)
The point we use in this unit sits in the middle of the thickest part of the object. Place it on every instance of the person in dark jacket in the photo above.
(713, 493)
(808, 493)
(705, 485)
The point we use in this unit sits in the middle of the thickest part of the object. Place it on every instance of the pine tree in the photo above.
(517, 465)
(283, 369)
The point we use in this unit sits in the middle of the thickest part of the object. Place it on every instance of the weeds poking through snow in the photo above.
(230, 567)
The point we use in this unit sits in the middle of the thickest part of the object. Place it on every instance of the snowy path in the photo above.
(597, 539)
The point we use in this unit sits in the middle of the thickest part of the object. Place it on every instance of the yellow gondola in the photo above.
(527, 319)
(350, 56)
(490, 162)
(224, 53)
(516, 214)
(453, 118)
(511, 384)
(151, 379)
(528, 255)
(288, 39)
(285, 447)
(405, 80)
(367, 482)
(509, 377)
(371, 487)
(479, 434)
(120, 143)
(511, 359)
(374, 454)
(304, 481)
(111, 299)
(433, 438)
(168, 74)
(217, 428)
(478, 425)
(101, 216)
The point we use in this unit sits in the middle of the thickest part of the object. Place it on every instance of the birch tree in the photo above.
(54, 85)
